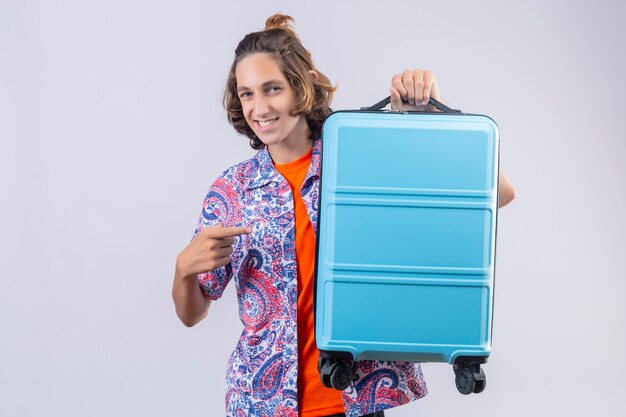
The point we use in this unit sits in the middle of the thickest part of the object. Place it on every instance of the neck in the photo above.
(296, 145)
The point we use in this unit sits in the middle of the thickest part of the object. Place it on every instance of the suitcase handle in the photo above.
(431, 100)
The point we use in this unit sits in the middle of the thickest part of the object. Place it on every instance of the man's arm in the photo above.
(191, 305)
(208, 251)
(506, 192)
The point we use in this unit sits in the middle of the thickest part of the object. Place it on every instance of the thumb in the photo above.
(396, 100)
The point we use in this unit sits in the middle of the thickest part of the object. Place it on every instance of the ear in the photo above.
(313, 74)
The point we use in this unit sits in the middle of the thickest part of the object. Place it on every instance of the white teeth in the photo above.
(266, 122)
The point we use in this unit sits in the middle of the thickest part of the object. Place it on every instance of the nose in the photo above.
(261, 105)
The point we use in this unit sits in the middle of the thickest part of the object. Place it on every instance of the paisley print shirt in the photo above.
(261, 379)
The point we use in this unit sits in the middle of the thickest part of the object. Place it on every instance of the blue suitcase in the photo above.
(406, 241)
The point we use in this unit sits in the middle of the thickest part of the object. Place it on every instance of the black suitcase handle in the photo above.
(439, 105)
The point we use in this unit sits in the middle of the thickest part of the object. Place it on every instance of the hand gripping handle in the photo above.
(431, 100)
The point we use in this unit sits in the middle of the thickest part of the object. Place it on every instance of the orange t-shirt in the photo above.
(314, 399)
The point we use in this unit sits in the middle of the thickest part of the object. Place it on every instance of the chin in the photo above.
(269, 140)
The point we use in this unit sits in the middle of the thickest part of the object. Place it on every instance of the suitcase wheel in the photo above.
(469, 378)
(335, 373)
(480, 386)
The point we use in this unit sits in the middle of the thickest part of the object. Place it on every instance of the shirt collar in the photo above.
(265, 172)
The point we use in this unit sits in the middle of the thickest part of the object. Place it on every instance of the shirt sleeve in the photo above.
(220, 206)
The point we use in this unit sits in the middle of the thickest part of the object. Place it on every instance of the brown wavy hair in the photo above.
(313, 94)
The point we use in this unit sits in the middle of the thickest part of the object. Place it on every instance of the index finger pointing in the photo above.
(230, 231)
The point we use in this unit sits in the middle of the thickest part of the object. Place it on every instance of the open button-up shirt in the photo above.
(262, 372)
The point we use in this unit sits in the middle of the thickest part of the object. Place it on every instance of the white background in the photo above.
(111, 131)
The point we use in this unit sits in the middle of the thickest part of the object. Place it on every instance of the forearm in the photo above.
(191, 304)
(506, 191)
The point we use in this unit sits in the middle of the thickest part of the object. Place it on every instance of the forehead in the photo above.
(256, 69)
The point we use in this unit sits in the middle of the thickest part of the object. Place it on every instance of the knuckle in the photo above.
(215, 263)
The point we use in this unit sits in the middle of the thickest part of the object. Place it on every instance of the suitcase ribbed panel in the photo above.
(407, 226)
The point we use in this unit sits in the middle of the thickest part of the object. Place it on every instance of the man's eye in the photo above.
(273, 89)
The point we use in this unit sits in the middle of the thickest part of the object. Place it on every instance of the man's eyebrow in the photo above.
(264, 85)
(270, 82)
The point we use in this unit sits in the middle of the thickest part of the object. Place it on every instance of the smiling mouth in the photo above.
(265, 123)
